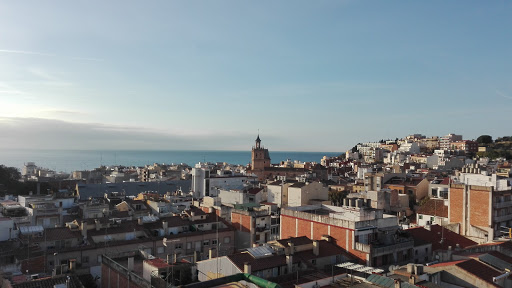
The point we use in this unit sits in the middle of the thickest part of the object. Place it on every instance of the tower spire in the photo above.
(258, 140)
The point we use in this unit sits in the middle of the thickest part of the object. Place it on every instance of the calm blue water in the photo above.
(71, 160)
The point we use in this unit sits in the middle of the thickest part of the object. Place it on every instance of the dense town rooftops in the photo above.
(436, 234)
(480, 270)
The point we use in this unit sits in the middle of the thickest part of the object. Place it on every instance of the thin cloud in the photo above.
(23, 52)
(503, 94)
(41, 133)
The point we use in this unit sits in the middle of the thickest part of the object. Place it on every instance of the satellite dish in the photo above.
(165, 242)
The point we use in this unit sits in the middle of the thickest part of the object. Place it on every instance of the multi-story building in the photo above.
(253, 222)
(445, 141)
(301, 193)
(410, 148)
(366, 233)
(205, 183)
(480, 211)
(439, 188)
(281, 257)
(277, 192)
(464, 145)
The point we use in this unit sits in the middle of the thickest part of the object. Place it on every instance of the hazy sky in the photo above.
(310, 75)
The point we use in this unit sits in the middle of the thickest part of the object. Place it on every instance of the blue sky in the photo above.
(310, 75)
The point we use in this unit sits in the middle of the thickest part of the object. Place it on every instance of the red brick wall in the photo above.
(114, 278)
(339, 234)
(319, 230)
(304, 228)
(479, 207)
(456, 201)
(287, 227)
(241, 222)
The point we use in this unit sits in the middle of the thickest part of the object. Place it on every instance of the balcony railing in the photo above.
(502, 204)
(363, 247)
(377, 250)
(503, 218)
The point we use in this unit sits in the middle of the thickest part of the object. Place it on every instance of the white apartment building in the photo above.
(444, 142)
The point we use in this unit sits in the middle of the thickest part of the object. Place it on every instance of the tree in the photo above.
(484, 139)
(336, 197)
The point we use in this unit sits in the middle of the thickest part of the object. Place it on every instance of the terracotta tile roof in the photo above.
(434, 207)
(260, 263)
(480, 270)
(124, 227)
(59, 233)
(157, 263)
(326, 249)
(254, 191)
(50, 282)
(444, 264)
(267, 203)
(437, 233)
(501, 256)
(297, 241)
(446, 181)
(298, 184)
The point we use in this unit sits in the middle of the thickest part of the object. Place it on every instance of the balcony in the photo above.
(363, 247)
(502, 204)
(383, 250)
(262, 229)
(503, 218)
(378, 250)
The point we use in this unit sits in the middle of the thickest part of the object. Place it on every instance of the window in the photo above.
(313, 261)
(99, 258)
(416, 252)
(177, 246)
(160, 250)
(214, 242)
(432, 219)
(189, 245)
(421, 216)
(227, 239)
(85, 259)
(206, 242)
(200, 226)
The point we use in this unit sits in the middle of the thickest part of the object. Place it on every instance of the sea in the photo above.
(73, 160)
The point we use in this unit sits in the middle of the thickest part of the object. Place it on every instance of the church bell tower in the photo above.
(260, 157)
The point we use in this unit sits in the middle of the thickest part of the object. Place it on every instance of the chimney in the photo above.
(418, 269)
(211, 210)
(292, 247)
(165, 225)
(326, 238)
(83, 229)
(428, 226)
(197, 256)
(247, 268)
(97, 224)
(410, 268)
(139, 221)
(398, 283)
(289, 263)
(316, 247)
(72, 264)
(212, 253)
(130, 264)
(412, 280)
